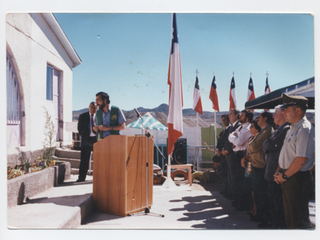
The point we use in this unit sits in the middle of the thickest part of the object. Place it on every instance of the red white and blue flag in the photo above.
(232, 96)
(213, 95)
(175, 124)
(267, 90)
(250, 95)
(197, 105)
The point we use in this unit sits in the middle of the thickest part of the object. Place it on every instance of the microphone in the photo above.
(137, 112)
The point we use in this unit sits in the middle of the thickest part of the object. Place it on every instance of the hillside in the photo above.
(189, 116)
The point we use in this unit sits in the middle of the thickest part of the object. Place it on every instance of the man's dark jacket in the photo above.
(272, 148)
(228, 145)
(84, 129)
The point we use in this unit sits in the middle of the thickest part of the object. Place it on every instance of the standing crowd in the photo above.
(266, 163)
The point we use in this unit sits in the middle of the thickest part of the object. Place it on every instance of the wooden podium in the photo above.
(120, 174)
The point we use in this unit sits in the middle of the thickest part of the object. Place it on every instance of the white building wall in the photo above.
(34, 45)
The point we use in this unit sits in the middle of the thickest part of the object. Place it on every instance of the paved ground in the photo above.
(200, 207)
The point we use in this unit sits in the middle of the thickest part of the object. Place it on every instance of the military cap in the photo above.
(294, 100)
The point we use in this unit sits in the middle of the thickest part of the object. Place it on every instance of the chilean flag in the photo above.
(197, 105)
(267, 90)
(213, 95)
(232, 96)
(175, 125)
(250, 95)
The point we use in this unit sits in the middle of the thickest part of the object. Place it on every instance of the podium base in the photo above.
(169, 184)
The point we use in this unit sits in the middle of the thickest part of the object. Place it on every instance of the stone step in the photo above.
(62, 207)
(68, 153)
(75, 163)
(75, 171)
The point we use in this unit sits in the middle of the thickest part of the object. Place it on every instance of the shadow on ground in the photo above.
(215, 211)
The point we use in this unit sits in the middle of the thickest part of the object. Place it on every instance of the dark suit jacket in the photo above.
(272, 147)
(228, 145)
(223, 137)
(84, 128)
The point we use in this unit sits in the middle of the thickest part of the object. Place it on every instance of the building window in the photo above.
(13, 95)
(49, 83)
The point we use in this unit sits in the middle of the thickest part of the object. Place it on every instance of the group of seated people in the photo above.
(265, 164)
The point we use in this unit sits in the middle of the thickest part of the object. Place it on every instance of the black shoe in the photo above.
(80, 180)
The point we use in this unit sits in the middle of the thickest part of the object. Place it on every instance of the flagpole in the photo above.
(215, 127)
(197, 127)
(175, 119)
(215, 124)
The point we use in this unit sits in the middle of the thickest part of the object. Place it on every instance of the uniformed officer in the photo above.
(296, 159)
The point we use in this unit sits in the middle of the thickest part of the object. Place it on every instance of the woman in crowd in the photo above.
(259, 184)
(245, 163)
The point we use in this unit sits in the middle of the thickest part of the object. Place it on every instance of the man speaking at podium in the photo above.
(108, 121)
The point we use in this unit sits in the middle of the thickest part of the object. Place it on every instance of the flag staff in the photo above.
(197, 127)
(215, 124)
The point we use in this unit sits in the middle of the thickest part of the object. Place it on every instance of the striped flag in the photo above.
(213, 95)
(267, 90)
(250, 95)
(197, 105)
(232, 96)
(175, 125)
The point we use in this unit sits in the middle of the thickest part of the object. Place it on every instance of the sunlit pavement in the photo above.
(198, 207)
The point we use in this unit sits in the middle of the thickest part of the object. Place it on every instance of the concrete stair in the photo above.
(72, 156)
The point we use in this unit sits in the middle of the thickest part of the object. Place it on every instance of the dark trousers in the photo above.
(259, 187)
(236, 176)
(86, 148)
(276, 211)
(224, 175)
(295, 192)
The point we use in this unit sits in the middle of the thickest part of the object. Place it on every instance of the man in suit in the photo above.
(271, 148)
(228, 152)
(88, 138)
(239, 139)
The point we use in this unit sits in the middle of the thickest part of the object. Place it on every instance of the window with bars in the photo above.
(13, 95)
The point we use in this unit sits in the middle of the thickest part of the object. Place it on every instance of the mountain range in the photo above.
(161, 114)
(189, 116)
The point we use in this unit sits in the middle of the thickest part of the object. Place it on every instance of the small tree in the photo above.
(50, 137)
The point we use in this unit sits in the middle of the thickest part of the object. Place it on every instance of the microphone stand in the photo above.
(148, 135)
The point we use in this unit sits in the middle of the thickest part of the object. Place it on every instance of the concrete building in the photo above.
(40, 60)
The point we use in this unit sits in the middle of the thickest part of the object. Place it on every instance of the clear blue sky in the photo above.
(127, 55)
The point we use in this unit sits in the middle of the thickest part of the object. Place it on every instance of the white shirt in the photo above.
(91, 133)
(240, 136)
